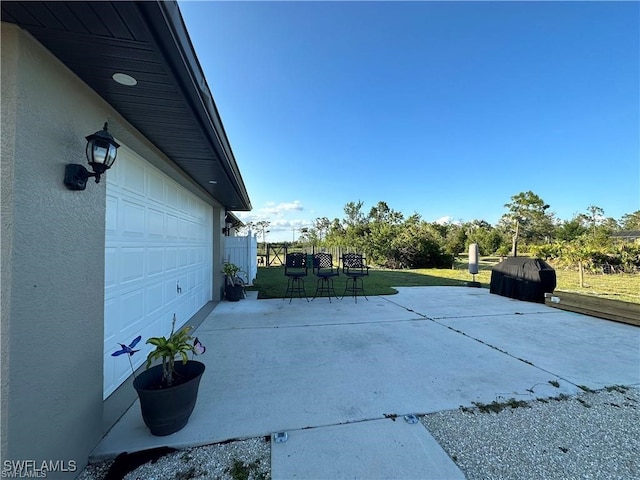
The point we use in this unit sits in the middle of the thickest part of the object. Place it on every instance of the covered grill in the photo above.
(523, 278)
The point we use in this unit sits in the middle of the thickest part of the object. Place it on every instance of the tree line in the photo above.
(528, 226)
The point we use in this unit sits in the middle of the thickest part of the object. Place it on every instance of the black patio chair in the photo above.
(355, 267)
(295, 269)
(324, 269)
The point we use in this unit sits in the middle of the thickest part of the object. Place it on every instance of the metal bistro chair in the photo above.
(354, 267)
(325, 271)
(295, 269)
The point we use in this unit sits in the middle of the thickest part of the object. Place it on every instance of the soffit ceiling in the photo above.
(171, 104)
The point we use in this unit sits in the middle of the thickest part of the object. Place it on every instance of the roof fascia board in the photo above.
(165, 23)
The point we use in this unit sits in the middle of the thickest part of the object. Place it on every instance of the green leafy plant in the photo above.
(231, 273)
(178, 344)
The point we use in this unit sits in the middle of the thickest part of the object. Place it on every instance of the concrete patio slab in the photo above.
(378, 449)
(274, 366)
(459, 302)
(300, 313)
(583, 350)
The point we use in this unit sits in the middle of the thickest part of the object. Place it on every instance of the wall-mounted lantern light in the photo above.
(101, 153)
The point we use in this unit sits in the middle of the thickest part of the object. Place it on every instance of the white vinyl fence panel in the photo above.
(243, 251)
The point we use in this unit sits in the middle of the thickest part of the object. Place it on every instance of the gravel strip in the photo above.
(243, 459)
(594, 435)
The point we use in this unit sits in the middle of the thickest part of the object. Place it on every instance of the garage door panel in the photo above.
(132, 311)
(172, 227)
(191, 303)
(155, 223)
(171, 195)
(110, 268)
(154, 298)
(190, 205)
(111, 309)
(158, 237)
(111, 218)
(182, 310)
(194, 231)
(184, 284)
(201, 212)
(171, 291)
(183, 258)
(155, 187)
(184, 201)
(131, 264)
(170, 259)
(183, 229)
(155, 263)
(133, 178)
(132, 219)
(191, 256)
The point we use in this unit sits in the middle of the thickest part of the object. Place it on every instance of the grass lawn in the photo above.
(271, 282)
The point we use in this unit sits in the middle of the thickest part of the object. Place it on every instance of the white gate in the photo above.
(243, 251)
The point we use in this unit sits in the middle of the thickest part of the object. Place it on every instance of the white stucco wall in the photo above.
(7, 150)
(53, 263)
(52, 245)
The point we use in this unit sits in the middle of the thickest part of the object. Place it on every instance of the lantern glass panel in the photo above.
(101, 152)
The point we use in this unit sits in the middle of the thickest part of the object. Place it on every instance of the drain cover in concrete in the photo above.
(377, 449)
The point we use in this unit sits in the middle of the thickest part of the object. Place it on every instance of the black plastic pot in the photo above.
(167, 410)
(233, 293)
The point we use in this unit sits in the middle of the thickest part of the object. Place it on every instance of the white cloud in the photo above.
(272, 209)
(285, 207)
(247, 217)
(282, 217)
(283, 224)
(448, 220)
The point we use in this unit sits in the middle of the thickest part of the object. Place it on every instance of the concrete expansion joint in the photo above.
(342, 324)
(410, 418)
(434, 319)
(484, 315)
(523, 360)
(405, 308)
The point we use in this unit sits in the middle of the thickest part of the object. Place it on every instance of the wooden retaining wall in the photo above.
(616, 310)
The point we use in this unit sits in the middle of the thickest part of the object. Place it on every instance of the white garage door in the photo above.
(158, 257)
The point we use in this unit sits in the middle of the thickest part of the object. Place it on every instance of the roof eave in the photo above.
(181, 56)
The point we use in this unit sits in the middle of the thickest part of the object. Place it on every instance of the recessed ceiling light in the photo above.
(212, 182)
(124, 79)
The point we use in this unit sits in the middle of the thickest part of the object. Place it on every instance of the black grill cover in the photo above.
(523, 278)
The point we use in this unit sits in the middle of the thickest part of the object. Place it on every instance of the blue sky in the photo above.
(445, 109)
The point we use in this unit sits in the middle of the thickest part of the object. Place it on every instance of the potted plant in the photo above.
(168, 391)
(234, 285)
